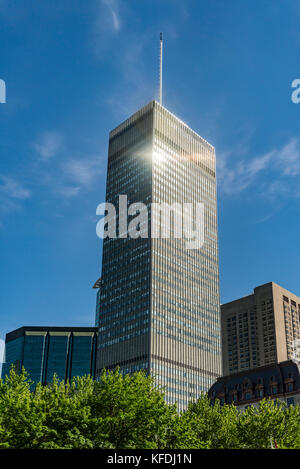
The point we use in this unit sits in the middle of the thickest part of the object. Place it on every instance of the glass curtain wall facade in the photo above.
(44, 352)
(185, 313)
(123, 306)
(158, 304)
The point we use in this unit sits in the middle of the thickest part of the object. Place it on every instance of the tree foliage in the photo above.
(124, 412)
(115, 412)
(225, 427)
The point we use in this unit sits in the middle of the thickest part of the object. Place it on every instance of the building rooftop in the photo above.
(21, 330)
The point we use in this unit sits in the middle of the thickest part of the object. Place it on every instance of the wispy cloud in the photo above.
(68, 175)
(112, 6)
(7, 205)
(13, 189)
(67, 191)
(62, 178)
(83, 171)
(278, 166)
(288, 158)
(115, 34)
(12, 193)
(48, 145)
(234, 179)
(106, 21)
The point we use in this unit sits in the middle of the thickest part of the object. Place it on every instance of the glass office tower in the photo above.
(158, 300)
(45, 351)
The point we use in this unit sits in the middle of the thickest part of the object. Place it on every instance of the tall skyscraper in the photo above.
(260, 329)
(158, 299)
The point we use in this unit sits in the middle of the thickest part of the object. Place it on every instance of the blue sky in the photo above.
(74, 69)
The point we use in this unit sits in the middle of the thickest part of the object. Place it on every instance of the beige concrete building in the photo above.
(260, 329)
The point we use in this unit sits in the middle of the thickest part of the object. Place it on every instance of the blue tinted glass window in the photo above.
(13, 355)
(33, 356)
(81, 355)
(58, 347)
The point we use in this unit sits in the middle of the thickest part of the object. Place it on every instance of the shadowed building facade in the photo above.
(158, 300)
(277, 382)
(45, 351)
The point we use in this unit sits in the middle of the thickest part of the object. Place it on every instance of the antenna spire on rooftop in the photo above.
(160, 68)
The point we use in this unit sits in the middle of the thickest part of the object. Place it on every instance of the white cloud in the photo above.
(289, 158)
(83, 171)
(105, 28)
(68, 175)
(113, 8)
(7, 205)
(12, 192)
(282, 165)
(13, 189)
(106, 20)
(68, 191)
(67, 178)
(48, 145)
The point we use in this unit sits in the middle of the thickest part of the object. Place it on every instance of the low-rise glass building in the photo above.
(45, 351)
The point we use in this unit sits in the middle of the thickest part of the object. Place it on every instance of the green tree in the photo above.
(123, 412)
(205, 426)
(19, 422)
(271, 420)
(66, 413)
(214, 426)
(116, 412)
(130, 412)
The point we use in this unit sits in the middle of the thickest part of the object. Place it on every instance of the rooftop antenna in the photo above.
(160, 68)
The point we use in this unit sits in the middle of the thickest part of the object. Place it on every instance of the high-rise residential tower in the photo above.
(260, 329)
(158, 298)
